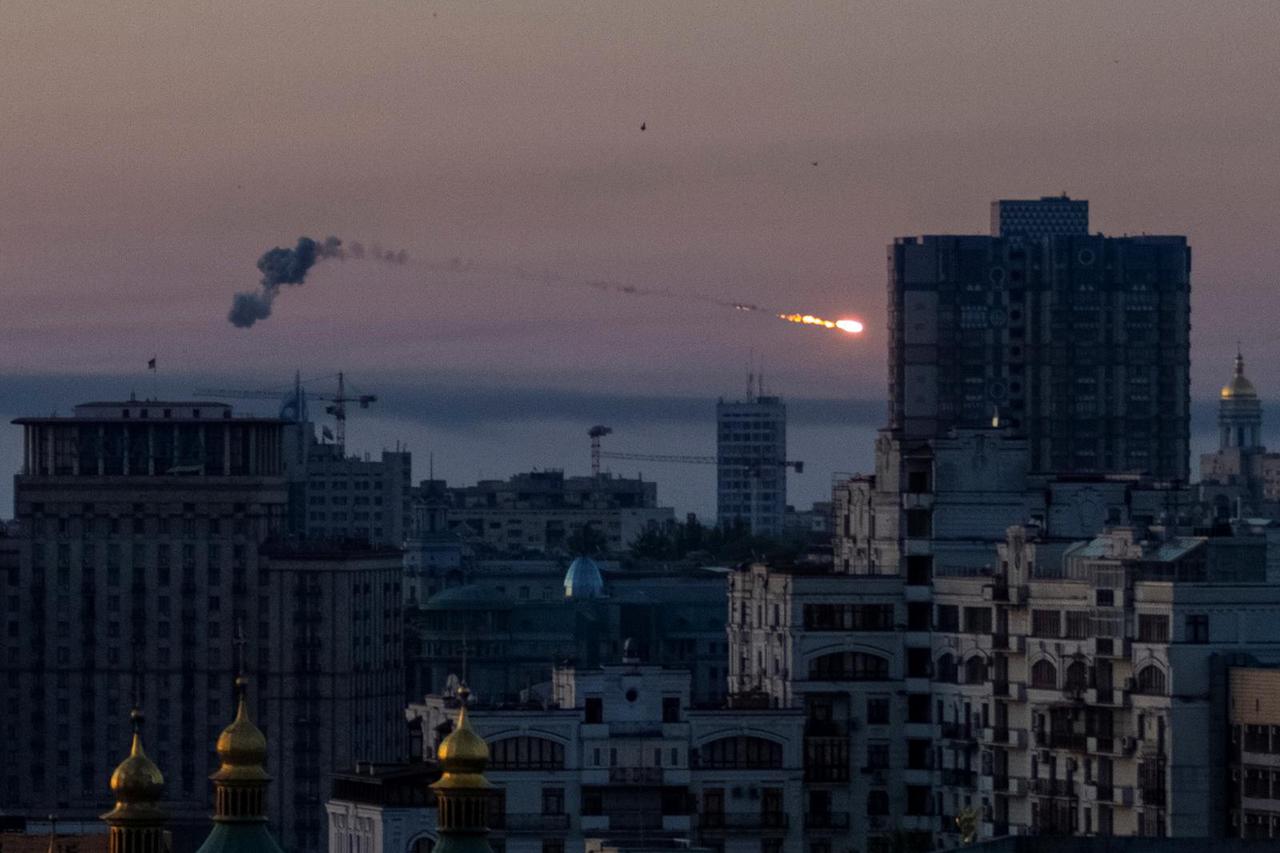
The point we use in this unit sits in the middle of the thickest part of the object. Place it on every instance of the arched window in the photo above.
(526, 753)
(946, 669)
(849, 666)
(975, 670)
(740, 753)
(1151, 680)
(1077, 676)
(1044, 674)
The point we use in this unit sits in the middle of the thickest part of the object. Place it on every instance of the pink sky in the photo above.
(151, 152)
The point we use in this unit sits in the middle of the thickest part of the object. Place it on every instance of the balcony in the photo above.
(1154, 797)
(1051, 788)
(635, 775)
(533, 823)
(1004, 736)
(726, 822)
(1068, 740)
(826, 821)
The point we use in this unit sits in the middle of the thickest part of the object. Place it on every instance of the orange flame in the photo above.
(853, 327)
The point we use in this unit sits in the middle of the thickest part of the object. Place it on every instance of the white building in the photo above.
(620, 756)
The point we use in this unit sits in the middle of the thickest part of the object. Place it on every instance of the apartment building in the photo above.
(832, 647)
(620, 755)
(1254, 789)
(1076, 688)
(751, 475)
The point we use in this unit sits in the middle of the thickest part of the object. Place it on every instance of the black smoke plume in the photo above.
(280, 266)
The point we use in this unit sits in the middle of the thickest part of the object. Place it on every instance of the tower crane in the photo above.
(337, 402)
(596, 433)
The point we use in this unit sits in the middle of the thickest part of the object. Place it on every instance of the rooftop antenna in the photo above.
(239, 642)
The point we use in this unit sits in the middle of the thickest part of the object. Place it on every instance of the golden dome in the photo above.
(463, 755)
(137, 779)
(242, 747)
(1239, 387)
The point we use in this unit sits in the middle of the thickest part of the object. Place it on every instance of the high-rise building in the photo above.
(1079, 342)
(751, 470)
(140, 557)
(1042, 217)
(139, 528)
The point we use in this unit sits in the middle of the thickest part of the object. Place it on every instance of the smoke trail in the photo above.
(280, 266)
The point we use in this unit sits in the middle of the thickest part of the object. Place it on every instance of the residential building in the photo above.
(1079, 342)
(1077, 686)
(545, 513)
(1043, 217)
(1254, 789)
(821, 643)
(335, 496)
(751, 457)
(330, 659)
(384, 809)
(620, 755)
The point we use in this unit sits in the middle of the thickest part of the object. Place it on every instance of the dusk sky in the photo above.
(151, 152)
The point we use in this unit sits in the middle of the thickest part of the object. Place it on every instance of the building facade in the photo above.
(620, 756)
(1043, 217)
(1079, 342)
(544, 513)
(140, 559)
(1241, 479)
(751, 474)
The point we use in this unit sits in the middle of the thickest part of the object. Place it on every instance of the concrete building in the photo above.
(139, 556)
(751, 474)
(505, 629)
(1080, 343)
(1254, 789)
(330, 659)
(542, 512)
(383, 809)
(1043, 217)
(621, 757)
(337, 496)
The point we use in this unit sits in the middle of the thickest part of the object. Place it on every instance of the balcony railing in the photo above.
(635, 775)
(728, 821)
(826, 820)
(538, 823)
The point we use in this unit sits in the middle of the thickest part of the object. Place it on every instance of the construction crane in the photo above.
(596, 433)
(337, 402)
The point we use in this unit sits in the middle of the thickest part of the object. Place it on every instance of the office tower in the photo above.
(1042, 217)
(1080, 343)
(751, 470)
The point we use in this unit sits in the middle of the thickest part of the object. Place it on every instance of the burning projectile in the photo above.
(853, 327)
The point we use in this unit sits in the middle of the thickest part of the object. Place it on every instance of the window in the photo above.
(670, 709)
(977, 620)
(918, 663)
(740, 753)
(1045, 623)
(848, 617)
(1079, 625)
(919, 523)
(1151, 681)
(975, 670)
(594, 710)
(877, 755)
(849, 666)
(1197, 627)
(946, 671)
(553, 800)
(1044, 675)
(526, 753)
(878, 710)
(877, 803)
(1077, 676)
(948, 618)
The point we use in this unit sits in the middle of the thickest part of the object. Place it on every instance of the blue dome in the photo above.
(583, 579)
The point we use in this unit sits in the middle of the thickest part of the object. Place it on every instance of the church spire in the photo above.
(463, 795)
(240, 786)
(137, 823)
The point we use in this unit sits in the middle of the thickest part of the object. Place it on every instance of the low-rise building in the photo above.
(383, 809)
